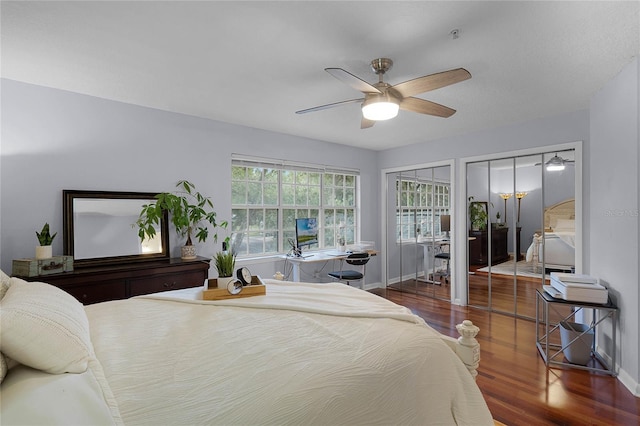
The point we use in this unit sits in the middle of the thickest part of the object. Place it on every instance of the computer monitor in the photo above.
(445, 224)
(306, 232)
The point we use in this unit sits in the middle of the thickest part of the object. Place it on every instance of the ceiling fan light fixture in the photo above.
(378, 107)
(555, 164)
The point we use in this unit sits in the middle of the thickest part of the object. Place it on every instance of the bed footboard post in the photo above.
(468, 347)
(536, 252)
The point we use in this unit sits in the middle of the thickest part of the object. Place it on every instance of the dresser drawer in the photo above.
(120, 281)
(166, 282)
(98, 291)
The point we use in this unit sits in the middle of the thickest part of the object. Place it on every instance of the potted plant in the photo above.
(225, 262)
(44, 250)
(478, 215)
(191, 214)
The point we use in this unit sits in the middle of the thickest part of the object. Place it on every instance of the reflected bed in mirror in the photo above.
(98, 228)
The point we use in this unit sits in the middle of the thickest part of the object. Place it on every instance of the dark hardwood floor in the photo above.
(518, 387)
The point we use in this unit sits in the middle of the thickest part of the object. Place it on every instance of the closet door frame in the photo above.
(455, 288)
(461, 243)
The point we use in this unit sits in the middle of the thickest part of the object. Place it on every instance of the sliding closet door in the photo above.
(528, 219)
(558, 252)
(502, 233)
(433, 235)
(418, 217)
(478, 199)
(528, 232)
(409, 220)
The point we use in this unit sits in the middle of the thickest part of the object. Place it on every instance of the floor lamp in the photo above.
(505, 197)
(520, 196)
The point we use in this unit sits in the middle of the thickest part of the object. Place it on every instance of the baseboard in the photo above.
(629, 382)
(624, 377)
(371, 286)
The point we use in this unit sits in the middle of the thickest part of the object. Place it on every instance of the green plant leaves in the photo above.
(189, 211)
(44, 237)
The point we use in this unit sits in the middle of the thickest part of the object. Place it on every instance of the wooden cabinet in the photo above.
(479, 246)
(165, 282)
(112, 282)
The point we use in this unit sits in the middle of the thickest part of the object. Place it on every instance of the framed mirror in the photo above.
(99, 228)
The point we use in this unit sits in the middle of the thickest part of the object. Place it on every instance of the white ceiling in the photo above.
(256, 63)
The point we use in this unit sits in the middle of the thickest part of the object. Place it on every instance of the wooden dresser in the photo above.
(479, 246)
(121, 281)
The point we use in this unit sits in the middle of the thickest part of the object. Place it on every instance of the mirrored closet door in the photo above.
(418, 225)
(520, 220)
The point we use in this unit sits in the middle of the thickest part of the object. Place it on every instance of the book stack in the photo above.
(577, 288)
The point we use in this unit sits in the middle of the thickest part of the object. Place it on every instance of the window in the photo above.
(267, 197)
(419, 206)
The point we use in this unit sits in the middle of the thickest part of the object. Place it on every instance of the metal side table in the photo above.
(547, 332)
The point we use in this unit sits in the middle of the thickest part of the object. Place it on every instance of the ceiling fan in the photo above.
(382, 101)
(556, 163)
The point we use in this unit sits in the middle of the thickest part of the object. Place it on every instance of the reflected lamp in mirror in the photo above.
(445, 224)
(505, 196)
(520, 196)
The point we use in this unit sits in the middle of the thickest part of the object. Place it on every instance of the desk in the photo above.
(296, 262)
(551, 351)
(431, 247)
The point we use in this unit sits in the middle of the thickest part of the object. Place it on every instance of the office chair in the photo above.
(445, 225)
(445, 257)
(357, 259)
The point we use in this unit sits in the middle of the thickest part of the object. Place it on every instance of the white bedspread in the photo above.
(323, 354)
(569, 238)
(559, 248)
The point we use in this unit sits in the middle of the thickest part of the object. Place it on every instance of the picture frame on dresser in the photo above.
(97, 228)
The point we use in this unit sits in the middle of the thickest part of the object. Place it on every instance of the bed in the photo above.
(556, 244)
(301, 354)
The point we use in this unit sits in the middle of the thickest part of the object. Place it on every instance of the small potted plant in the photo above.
(44, 250)
(191, 214)
(225, 262)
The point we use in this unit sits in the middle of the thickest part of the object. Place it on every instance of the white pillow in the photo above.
(5, 282)
(565, 225)
(44, 328)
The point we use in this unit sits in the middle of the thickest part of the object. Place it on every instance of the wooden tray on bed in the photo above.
(256, 288)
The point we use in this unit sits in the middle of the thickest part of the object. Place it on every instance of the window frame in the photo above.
(303, 190)
(411, 230)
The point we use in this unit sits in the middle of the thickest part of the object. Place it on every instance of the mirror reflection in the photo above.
(102, 228)
(99, 228)
(418, 231)
(528, 232)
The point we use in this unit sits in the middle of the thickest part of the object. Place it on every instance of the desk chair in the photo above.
(445, 257)
(357, 259)
(445, 226)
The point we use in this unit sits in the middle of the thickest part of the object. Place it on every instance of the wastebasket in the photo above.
(579, 352)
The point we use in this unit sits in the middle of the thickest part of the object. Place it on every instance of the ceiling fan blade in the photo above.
(352, 80)
(327, 106)
(365, 124)
(426, 107)
(431, 82)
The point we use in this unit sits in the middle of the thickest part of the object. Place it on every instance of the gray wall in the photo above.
(54, 140)
(614, 186)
